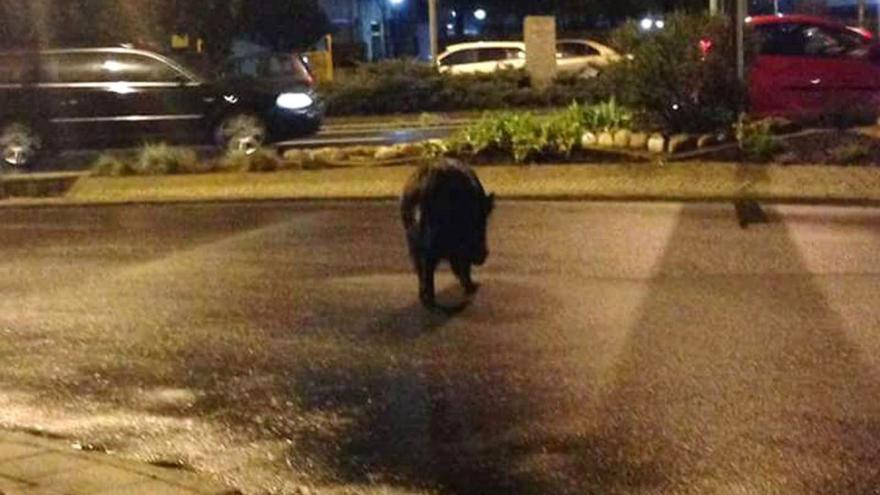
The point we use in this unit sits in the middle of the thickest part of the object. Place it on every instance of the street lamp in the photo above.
(480, 14)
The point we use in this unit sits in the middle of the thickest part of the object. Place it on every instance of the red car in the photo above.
(806, 65)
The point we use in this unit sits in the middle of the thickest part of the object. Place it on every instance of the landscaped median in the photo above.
(673, 182)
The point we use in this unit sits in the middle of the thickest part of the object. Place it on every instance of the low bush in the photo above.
(606, 116)
(109, 165)
(524, 136)
(161, 159)
(757, 142)
(403, 86)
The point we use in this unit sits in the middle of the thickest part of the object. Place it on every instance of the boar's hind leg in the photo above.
(426, 267)
(462, 270)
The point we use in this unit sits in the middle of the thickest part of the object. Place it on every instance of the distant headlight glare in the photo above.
(294, 101)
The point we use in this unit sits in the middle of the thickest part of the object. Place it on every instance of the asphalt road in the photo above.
(613, 348)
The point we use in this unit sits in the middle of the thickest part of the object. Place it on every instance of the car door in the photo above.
(165, 102)
(503, 58)
(846, 77)
(119, 97)
(782, 80)
(80, 108)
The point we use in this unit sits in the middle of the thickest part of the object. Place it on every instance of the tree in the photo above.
(284, 24)
(281, 24)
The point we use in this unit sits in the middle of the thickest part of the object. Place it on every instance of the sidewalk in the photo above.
(30, 465)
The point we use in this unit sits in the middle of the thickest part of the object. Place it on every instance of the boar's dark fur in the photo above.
(445, 211)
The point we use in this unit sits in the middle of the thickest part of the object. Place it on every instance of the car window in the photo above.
(105, 67)
(271, 66)
(576, 50)
(809, 40)
(495, 54)
(13, 69)
(780, 39)
(823, 42)
(460, 57)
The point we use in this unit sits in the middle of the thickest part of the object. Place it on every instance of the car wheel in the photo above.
(241, 132)
(20, 145)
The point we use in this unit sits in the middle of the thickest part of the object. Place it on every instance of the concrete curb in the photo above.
(693, 183)
(766, 200)
(36, 464)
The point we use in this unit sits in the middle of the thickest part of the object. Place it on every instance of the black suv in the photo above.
(95, 97)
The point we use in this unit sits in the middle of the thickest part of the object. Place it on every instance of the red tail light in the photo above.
(706, 46)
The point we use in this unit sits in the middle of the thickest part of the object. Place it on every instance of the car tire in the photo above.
(241, 132)
(20, 146)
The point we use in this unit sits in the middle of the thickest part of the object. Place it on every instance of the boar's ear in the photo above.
(490, 203)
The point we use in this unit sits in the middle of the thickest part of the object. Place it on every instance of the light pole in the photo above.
(432, 28)
(740, 20)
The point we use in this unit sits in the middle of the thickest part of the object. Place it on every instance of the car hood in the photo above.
(266, 86)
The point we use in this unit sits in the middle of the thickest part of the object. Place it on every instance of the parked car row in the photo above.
(56, 99)
(573, 56)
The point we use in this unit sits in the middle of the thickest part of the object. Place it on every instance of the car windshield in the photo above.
(269, 66)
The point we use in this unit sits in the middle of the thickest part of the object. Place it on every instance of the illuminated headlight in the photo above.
(294, 101)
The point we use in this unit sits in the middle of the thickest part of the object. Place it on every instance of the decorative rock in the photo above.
(723, 137)
(657, 143)
(327, 155)
(638, 140)
(606, 140)
(707, 140)
(387, 153)
(589, 139)
(296, 156)
(682, 142)
(621, 138)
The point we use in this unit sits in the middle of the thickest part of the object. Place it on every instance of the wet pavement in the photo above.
(612, 349)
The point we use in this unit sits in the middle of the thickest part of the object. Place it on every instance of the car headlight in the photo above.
(294, 101)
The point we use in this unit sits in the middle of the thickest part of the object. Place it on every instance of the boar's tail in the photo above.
(411, 201)
(409, 205)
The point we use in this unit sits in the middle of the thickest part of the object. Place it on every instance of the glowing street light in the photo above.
(480, 14)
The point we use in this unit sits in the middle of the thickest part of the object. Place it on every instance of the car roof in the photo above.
(106, 49)
(484, 44)
(763, 20)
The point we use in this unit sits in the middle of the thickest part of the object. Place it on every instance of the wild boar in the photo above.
(445, 212)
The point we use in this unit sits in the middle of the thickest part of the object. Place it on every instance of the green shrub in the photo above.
(669, 79)
(262, 160)
(606, 116)
(161, 159)
(757, 141)
(562, 131)
(524, 136)
(403, 86)
(108, 165)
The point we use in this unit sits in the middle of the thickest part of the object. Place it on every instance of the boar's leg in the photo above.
(462, 270)
(426, 267)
